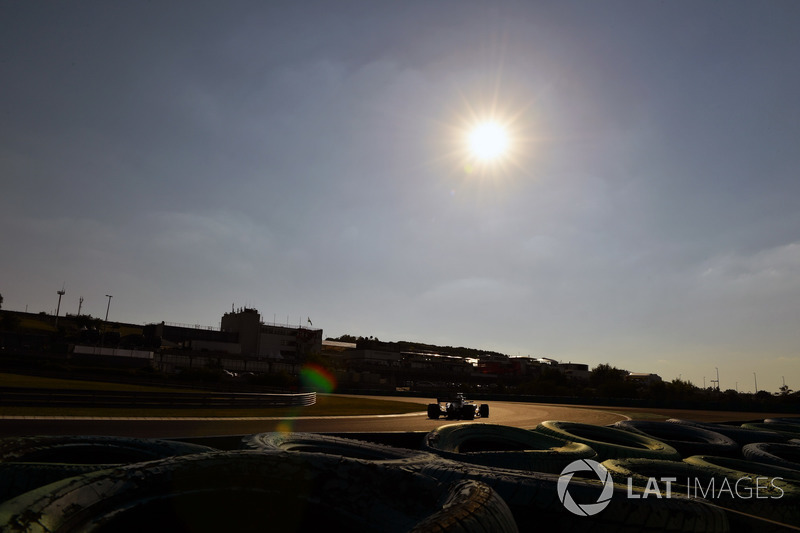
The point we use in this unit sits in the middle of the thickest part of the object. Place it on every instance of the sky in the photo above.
(308, 159)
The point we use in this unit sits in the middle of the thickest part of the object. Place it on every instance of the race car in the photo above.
(457, 407)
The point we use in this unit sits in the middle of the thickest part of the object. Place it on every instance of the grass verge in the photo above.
(327, 405)
(37, 382)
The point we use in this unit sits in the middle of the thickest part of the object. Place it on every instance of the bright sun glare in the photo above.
(488, 141)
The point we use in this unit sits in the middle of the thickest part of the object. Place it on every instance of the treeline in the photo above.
(44, 333)
(612, 384)
(605, 382)
(373, 343)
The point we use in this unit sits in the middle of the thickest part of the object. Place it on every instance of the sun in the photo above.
(488, 141)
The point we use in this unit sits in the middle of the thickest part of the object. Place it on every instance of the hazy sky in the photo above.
(307, 159)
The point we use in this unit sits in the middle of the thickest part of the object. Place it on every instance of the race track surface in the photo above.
(523, 415)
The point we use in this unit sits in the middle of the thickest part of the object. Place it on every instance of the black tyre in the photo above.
(337, 446)
(738, 434)
(92, 449)
(688, 440)
(504, 447)
(470, 506)
(484, 410)
(468, 412)
(742, 468)
(251, 491)
(775, 501)
(533, 498)
(433, 411)
(18, 478)
(786, 420)
(610, 443)
(783, 455)
(789, 431)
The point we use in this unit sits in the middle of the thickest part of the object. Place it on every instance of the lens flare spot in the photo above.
(317, 378)
(284, 426)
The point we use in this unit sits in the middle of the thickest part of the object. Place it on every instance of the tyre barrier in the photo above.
(688, 440)
(505, 447)
(610, 443)
(19, 478)
(741, 468)
(337, 446)
(256, 491)
(300, 481)
(783, 455)
(784, 420)
(92, 449)
(470, 506)
(768, 498)
(789, 431)
(740, 435)
(535, 502)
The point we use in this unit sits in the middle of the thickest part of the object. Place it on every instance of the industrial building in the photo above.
(271, 341)
(242, 344)
(241, 333)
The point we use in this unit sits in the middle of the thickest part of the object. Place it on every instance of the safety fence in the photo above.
(23, 397)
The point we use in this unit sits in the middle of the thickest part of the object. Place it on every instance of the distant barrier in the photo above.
(24, 397)
(706, 404)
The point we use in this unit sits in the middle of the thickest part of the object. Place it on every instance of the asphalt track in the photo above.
(524, 415)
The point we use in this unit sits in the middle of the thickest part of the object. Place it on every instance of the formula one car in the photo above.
(457, 407)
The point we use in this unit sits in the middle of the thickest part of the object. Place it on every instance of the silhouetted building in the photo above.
(272, 341)
(643, 377)
(578, 371)
(196, 339)
(495, 364)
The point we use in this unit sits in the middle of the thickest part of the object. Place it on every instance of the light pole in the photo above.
(755, 380)
(105, 323)
(61, 293)
(717, 377)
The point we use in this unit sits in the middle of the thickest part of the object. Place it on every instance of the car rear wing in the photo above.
(450, 398)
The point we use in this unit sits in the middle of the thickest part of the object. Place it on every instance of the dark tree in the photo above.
(605, 374)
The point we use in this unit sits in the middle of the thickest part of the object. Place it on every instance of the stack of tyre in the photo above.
(275, 482)
(702, 462)
(466, 477)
